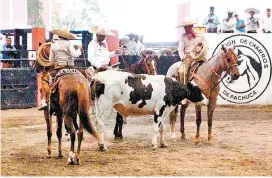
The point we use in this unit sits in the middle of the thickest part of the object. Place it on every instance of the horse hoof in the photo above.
(183, 137)
(48, 156)
(164, 145)
(211, 143)
(77, 161)
(173, 136)
(102, 147)
(70, 163)
(60, 156)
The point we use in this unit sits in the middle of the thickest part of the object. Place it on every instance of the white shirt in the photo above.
(132, 47)
(267, 24)
(99, 55)
(140, 47)
(251, 24)
(230, 25)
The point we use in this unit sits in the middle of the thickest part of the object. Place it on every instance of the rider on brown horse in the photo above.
(193, 48)
(62, 54)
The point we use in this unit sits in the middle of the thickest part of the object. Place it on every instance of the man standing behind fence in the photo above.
(240, 24)
(252, 22)
(229, 22)
(211, 21)
(8, 53)
(267, 22)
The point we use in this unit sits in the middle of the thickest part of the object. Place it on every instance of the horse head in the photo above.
(148, 63)
(230, 62)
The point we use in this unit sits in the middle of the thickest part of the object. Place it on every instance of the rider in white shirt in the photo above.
(98, 52)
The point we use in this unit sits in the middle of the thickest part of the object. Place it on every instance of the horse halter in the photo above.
(149, 71)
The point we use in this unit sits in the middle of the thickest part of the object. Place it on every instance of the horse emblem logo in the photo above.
(254, 64)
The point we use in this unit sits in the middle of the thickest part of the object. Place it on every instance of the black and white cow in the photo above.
(134, 95)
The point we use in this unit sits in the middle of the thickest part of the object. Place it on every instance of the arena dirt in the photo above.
(242, 136)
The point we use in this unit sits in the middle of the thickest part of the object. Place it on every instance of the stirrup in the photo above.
(42, 107)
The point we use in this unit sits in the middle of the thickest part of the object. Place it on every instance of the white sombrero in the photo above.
(187, 21)
(64, 32)
(125, 39)
(252, 9)
(230, 11)
(148, 50)
(165, 50)
(100, 30)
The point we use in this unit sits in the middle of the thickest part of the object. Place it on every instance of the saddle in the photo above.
(53, 82)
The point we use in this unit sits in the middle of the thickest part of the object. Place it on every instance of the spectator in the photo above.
(229, 22)
(139, 45)
(211, 21)
(142, 47)
(240, 24)
(122, 45)
(252, 22)
(267, 22)
(8, 53)
(132, 45)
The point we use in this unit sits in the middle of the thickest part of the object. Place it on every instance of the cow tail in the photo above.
(83, 107)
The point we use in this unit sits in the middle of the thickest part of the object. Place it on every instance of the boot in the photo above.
(43, 105)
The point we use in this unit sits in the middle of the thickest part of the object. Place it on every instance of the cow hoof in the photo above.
(183, 137)
(77, 161)
(71, 158)
(197, 141)
(48, 156)
(102, 147)
(155, 147)
(164, 145)
(70, 163)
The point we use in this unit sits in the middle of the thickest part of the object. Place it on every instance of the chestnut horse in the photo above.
(71, 98)
(207, 77)
(147, 65)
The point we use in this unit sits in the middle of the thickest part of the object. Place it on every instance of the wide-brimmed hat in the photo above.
(252, 9)
(230, 11)
(148, 50)
(101, 30)
(64, 32)
(125, 39)
(165, 50)
(188, 21)
(131, 35)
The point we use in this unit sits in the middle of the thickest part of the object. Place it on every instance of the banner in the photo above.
(254, 52)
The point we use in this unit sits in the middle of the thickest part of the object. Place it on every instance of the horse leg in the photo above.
(48, 119)
(80, 138)
(211, 108)
(59, 131)
(182, 116)
(173, 119)
(198, 122)
(71, 158)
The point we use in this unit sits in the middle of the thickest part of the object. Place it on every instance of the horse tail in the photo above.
(83, 107)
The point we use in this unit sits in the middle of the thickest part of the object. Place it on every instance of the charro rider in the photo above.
(98, 52)
(192, 48)
(62, 54)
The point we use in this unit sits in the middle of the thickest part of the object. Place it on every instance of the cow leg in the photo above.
(118, 127)
(162, 129)
(173, 119)
(182, 116)
(156, 125)
(198, 122)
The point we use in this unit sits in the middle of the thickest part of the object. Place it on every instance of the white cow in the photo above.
(134, 95)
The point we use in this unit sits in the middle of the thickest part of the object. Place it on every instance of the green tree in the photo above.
(34, 13)
(78, 14)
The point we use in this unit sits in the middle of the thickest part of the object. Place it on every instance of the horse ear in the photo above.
(40, 43)
(223, 48)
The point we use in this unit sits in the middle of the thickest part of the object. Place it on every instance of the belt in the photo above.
(229, 31)
(65, 63)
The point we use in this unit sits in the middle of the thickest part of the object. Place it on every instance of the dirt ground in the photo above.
(242, 136)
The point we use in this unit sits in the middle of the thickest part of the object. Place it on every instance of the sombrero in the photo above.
(230, 11)
(125, 39)
(252, 9)
(64, 32)
(188, 21)
(165, 50)
(148, 50)
(101, 30)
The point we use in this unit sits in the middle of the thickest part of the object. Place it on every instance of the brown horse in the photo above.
(147, 65)
(207, 77)
(71, 98)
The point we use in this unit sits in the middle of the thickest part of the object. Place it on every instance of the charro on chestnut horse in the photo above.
(208, 76)
(71, 97)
